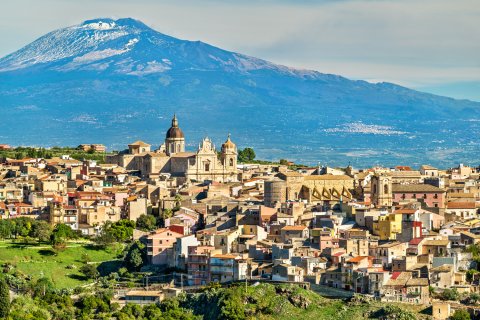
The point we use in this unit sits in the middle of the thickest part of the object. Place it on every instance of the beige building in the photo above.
(204, 164)
(313, 188)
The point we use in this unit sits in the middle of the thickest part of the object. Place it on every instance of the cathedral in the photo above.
(171, 158)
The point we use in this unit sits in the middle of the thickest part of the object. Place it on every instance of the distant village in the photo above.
(395, 234)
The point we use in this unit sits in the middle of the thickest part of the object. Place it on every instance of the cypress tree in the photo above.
(4, 298)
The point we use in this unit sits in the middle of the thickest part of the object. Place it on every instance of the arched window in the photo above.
(178, 148)
(385, 189)
(207, 166)
(231, 162)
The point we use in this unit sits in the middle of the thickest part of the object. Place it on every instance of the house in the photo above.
(160, 246)
(431, 221)
(388, 226)
(429, 171)
(180, 250)
(376, 281)
(286, 272)
(198, 264)
(310, 265)
(402, 287)
(438, 248)
(462, 210)
(441, 310)
(432, 196)
(442, 276)
(386, 252)
(294, 232)
(144, 296)
(355, 247)
(417, 291)
(227, 268)
(322, 238)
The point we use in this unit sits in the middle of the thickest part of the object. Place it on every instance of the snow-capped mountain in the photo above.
(127, 46)
(112, 81)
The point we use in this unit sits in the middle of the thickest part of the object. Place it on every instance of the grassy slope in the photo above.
(267, 302)
(35, 260)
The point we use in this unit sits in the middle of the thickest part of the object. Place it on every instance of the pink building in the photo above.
(431, 195)
(160, 246)
(186, 218)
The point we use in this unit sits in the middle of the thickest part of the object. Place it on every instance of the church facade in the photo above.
(171, 158)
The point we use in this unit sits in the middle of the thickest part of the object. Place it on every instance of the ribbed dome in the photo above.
(174, 132)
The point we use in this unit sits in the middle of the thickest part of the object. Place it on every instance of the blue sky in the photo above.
(429, 45)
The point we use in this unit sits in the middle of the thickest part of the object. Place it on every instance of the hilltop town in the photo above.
(215, 215)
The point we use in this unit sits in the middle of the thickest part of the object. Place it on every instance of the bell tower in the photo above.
(229, 155)
(381, 190)
(175, 139)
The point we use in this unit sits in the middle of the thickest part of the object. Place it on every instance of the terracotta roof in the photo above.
(357, 259)
(460, 195)
(328, 177)
(292, 174)
(442, 242)
(183, 155)
(417, 282)
(403, 168)
(294, 228)
(461, 205)
(405, 211)
(139, 143)
(415, 242)
(418, 188)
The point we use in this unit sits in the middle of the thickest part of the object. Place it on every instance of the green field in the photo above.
(42, 261)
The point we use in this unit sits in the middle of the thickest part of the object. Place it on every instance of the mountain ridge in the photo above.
(108, 80)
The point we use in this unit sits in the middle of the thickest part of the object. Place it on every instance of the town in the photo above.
(217, 216)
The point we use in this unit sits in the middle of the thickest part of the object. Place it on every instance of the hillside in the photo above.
(115, 81)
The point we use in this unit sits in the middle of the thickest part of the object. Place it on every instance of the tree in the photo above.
(284, 162)
(90, 271)
(61, 234)
(121, 230)
(105, 239)
(41, 230)
(470, 274)
(146, 222)
(4, 298)
(42, 287)
(461, 314)
(134, 259)
(246, 155)
(6, 228)
(450, 294)
(473, 298)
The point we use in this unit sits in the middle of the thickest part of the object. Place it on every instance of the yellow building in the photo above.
(388, 226)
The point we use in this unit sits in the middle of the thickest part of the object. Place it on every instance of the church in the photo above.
(171, 158)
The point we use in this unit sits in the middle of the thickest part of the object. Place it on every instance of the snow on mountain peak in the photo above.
(128, 46)
(99, 25)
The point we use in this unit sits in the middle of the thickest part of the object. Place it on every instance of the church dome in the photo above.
(228, 145)
(175, 132)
